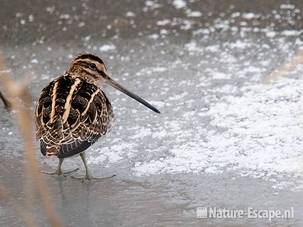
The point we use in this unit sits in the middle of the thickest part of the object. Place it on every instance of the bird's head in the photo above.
(88, 67)
(92, 68)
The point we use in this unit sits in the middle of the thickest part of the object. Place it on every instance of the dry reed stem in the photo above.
(24, 117)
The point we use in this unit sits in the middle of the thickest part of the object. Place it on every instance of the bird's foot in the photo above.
(60, 172)
(88, 178)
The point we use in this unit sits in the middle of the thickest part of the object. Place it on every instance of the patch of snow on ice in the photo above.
(249, 16)
(130, 14)
(163, 22)
(159, 69)
(192, 46)
(240, 44)
(151, 5)
(179, 4)
(112, 154)
(142, 133)
(190, 13)
(154, 36)
(218, 75)
(30, 18)
(287, 6)
(270, 34)
(107, 47)
(261, 135)
(34, 61)
(291, 33)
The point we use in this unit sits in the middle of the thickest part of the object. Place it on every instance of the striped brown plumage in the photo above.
(73, 112)
(71, 115)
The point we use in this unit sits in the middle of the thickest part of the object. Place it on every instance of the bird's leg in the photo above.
(59, 170)
(87, 173)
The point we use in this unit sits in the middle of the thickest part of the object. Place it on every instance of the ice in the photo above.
(249, 143)
(229, 132)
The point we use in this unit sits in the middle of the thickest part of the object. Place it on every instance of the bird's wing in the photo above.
(90, 117)
(71, 115)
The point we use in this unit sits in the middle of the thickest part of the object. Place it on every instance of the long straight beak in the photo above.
(130, 94)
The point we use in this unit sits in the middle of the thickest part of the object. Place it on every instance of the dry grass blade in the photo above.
(285, 68)
(24, 117)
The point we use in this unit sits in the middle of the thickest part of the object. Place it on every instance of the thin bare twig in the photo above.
(6, 103)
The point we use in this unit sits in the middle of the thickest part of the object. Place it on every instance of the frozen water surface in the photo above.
(226, 137)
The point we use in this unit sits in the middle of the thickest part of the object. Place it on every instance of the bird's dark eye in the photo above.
(92, 66)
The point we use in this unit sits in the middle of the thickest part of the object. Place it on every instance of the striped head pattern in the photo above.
(92, 69)
(88, 67)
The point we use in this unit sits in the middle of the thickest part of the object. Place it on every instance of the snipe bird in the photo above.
(73, 112)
